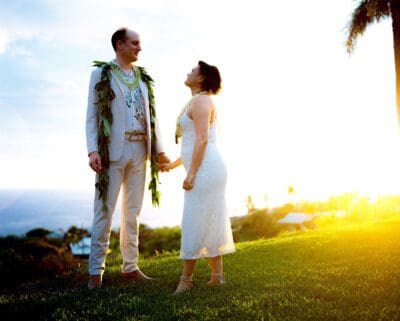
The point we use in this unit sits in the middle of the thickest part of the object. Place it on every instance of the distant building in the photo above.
(56, 234)
(296, 221)
(337, 213)
(82, 248)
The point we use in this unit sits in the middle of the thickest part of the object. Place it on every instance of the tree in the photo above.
(368, 12)
(38, 233)
(75, 234)
(266, 200)
(250, 204)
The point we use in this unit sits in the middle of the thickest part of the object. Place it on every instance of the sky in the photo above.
(295, 109)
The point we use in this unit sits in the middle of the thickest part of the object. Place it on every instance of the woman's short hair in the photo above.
(212, 78)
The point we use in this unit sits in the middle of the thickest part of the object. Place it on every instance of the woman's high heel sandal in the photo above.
(216, 279)
(185, 283)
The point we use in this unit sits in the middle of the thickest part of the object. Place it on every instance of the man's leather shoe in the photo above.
(136, 276)
(94, 282)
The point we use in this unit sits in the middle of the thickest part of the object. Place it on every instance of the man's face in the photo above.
(129, 49)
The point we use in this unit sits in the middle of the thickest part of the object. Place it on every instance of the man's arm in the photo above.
(159, 142)
(162, 158)
(92, 123)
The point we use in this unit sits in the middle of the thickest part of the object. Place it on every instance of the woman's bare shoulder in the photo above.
(202, 102)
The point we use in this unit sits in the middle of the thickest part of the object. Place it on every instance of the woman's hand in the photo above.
(169, 165)
(166, 167)
(188, 183)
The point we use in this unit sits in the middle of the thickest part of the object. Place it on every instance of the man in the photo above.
(130, 136)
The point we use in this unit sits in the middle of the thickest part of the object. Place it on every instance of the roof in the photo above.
(82, 247)
(296, 218)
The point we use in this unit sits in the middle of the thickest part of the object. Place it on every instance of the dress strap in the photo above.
(193, 98)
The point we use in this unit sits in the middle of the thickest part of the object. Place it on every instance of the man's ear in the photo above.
(118, 44)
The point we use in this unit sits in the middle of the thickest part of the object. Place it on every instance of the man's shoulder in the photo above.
(101, 64)
(98, 68)
(144, 74)
(95, 75)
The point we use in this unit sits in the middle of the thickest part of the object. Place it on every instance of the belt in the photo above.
(135, 137)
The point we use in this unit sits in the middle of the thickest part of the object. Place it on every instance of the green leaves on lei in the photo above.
(154, 179)
(105, 96)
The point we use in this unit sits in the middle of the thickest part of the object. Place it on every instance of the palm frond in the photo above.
(366, 13)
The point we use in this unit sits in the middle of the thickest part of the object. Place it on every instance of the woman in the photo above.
(206, 229)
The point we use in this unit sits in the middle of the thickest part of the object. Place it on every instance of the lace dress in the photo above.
(206, 228)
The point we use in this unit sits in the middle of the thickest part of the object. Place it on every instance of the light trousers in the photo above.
(129, 172)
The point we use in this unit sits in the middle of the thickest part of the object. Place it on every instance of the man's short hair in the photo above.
(120, 34)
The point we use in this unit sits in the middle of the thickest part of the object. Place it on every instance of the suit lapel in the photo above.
(119, 85)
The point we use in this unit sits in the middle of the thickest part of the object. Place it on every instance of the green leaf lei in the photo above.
(105, 96)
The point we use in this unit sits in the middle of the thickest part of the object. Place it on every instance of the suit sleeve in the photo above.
(159, 142)
(91, 113)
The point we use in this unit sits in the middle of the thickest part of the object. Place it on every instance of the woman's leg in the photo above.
(216, 265)
(217, 270)
(185, 282)
(188, 267)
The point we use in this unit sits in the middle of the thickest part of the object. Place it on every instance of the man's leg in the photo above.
(132, 199)
(100, 235)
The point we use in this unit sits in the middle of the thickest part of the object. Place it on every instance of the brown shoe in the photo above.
(95, 281)
(136, 276)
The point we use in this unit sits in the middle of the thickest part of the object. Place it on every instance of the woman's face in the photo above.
(194, 78)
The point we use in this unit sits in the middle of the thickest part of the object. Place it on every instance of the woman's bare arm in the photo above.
(201, 111)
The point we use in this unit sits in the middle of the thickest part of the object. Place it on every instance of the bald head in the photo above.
(126, 44)
(121, 35)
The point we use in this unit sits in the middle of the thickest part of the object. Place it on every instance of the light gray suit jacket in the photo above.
(118, 106)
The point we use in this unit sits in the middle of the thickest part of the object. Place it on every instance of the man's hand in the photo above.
(162, 161)
(165, 167)
(95, 162)
(162, 158)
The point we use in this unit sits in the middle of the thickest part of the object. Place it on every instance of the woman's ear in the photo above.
(200, 80)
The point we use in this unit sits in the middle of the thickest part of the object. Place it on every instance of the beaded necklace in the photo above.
(131, 85)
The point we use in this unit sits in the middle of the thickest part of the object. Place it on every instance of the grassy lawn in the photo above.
(344, 273)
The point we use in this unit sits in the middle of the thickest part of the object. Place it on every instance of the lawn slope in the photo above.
(343, 273)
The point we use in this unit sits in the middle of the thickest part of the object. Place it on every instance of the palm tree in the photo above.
(250, 204)
(368, 12)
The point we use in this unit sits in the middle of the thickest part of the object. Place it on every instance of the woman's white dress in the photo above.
(206, 228)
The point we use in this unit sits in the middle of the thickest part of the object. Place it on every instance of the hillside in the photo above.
(344, 273)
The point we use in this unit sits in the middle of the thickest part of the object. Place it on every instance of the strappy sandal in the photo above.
(185, 284)
(216, 279)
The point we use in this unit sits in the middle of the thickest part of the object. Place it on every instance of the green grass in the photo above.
(342, 273)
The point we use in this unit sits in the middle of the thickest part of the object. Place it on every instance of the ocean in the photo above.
(57, 210)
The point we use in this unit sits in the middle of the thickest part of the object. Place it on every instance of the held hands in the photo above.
(95, 162)
(166, 167)
(162, 161)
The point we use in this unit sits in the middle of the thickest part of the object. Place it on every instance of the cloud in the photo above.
(279, 62)
(4, 40)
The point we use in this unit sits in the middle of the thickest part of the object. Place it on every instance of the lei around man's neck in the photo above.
(106, 95)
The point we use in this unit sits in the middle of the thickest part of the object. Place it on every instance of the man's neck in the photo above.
(126, 66)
